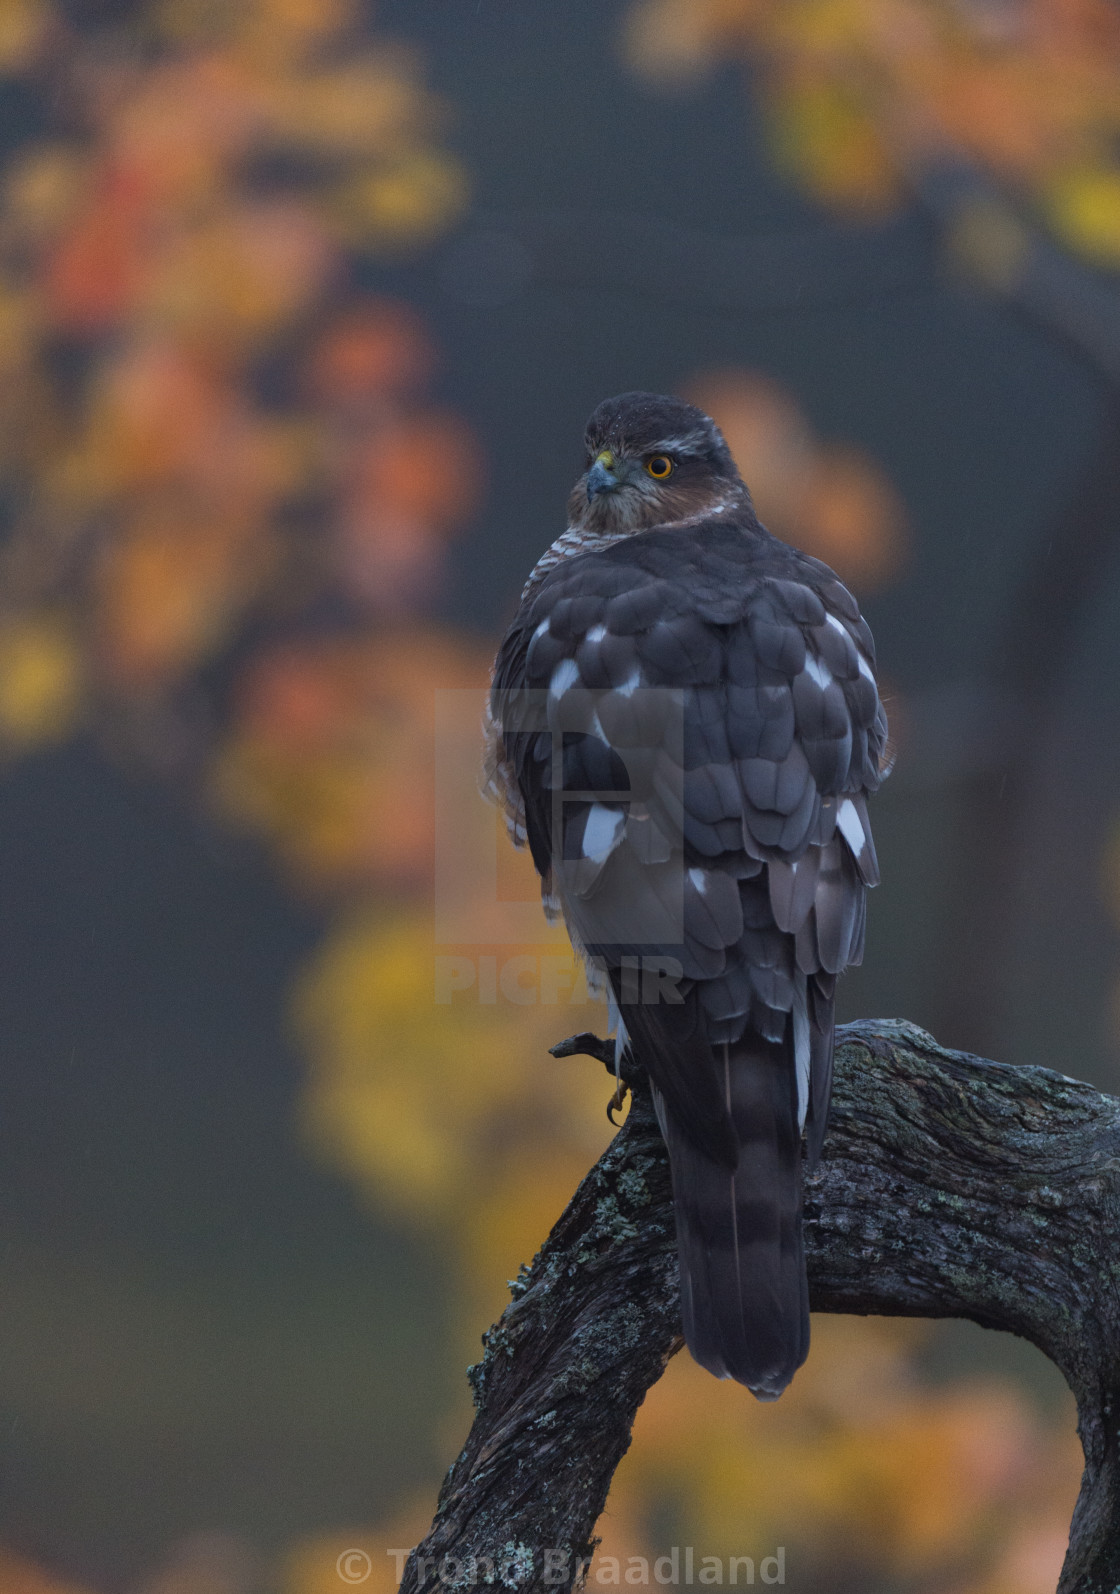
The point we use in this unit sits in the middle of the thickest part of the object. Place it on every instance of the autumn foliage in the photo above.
(225, 436)
(865, 96)
(230, 493)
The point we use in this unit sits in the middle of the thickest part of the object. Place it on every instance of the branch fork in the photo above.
(949, 1187)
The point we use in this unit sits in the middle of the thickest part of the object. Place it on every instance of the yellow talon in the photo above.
(615, 1103)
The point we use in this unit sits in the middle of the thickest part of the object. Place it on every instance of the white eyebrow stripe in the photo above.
(690, 443)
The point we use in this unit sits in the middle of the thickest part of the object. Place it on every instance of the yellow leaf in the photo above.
(431, 1102)
(40, 680)
(401, 205)
(1084, 210)
(43, 187)
(23, 28)
(364, 108)
(823, 134)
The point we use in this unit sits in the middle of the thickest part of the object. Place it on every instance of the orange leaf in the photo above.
(381, 348)
(426, 468)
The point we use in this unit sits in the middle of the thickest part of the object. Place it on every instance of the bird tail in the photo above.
(744, 1293)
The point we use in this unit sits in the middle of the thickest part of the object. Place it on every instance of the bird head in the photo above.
(652, 460)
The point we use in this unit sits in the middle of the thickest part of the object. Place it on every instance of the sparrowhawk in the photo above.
(684, 728)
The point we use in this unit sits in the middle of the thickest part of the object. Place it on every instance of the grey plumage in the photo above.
(744, 1297)
(714, 690)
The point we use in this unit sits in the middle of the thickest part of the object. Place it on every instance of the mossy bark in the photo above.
(949, 1187)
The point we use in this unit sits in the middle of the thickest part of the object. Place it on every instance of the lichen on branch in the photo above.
(950, 1187)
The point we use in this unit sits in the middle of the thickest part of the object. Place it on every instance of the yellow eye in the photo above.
(660, 465)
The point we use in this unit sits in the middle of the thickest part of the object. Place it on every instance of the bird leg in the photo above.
(588, 1044)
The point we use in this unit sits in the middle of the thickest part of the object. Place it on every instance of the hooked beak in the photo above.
(601, 477)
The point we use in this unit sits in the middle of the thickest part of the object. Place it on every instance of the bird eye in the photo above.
(660, 466)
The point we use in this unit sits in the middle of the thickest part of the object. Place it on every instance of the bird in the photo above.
(684, 727)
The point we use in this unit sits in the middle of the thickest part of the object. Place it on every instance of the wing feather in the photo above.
(710, 702)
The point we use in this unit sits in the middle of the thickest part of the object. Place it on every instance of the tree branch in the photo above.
(983, 230)
(950, 1187)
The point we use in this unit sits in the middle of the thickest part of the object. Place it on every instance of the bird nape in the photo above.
(684, 729)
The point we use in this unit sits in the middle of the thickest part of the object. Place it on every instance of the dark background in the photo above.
(171, 1263)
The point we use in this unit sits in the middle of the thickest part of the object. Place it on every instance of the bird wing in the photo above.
(688, 729)
(712, 697)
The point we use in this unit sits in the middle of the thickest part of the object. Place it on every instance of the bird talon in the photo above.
(615, 1103)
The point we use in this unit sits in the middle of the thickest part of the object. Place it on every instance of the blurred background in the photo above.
(303, 305)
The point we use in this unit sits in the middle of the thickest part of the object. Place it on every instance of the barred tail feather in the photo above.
(744, 1293)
